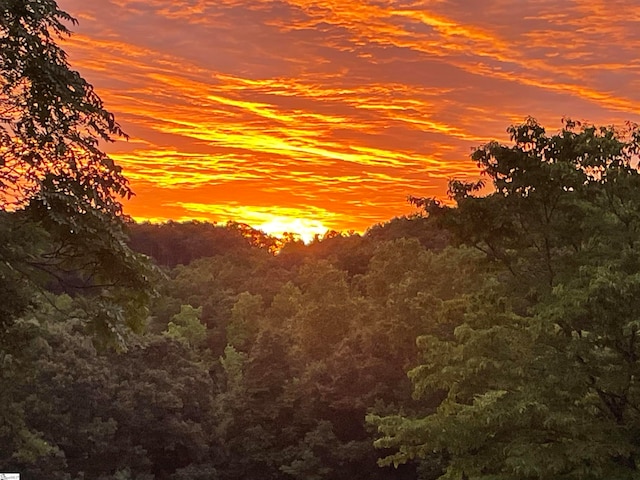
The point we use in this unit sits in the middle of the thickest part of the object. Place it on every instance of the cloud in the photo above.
(346, 106)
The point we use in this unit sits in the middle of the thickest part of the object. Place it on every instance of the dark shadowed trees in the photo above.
(540, 374)
(61, 226)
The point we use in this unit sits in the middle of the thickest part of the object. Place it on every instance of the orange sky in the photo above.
(303, 116)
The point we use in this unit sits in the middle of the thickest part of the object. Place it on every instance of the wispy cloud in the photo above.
(329, 113)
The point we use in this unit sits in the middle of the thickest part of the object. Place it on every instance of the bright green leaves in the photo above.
(186, 326)
(525, 397)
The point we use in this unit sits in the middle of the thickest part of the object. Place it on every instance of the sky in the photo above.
(301, 116)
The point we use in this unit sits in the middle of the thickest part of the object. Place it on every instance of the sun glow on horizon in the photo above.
(279, 227)
(279, 222)
(304, 229)
(328, 116)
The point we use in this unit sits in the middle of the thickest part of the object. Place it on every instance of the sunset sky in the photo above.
(306, 116)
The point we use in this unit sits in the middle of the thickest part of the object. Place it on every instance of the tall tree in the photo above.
(60, 194)
(51, 118)
(61, 220)
(540, 378)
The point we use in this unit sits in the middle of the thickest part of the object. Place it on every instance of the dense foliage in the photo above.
(270, 359)
(253, 365)
(61, 231)
(60, 211)
(540, 373)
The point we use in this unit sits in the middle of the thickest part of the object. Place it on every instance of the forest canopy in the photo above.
(303, 363)
(539, 376)
(493, 336)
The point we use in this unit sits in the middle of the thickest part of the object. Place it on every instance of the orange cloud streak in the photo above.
(327, 114)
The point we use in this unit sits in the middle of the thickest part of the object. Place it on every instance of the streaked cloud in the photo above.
(327, 114)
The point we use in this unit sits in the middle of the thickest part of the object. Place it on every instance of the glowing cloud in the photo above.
(275, 221)
(303, 116)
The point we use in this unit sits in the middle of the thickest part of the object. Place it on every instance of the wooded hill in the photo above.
(251, 365)
(491, 337)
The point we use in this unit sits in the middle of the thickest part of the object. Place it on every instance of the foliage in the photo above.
(306, 348)
(89, 413)
(186, 327)
(180, 243)
(61, 231)
(540, 375)
(59, 193)
(51, 119)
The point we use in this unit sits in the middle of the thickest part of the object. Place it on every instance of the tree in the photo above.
(57, 186)
(186, 327)
(51, 119)
(540, 378)
(61, 220)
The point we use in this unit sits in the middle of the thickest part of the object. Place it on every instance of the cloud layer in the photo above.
(327, 114)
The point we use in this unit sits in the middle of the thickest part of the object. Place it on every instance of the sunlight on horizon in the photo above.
(306, 230)
(274, 225)
(338, 111)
